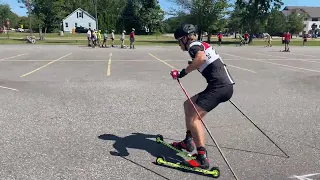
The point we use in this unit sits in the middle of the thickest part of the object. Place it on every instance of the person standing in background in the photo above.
(287, 37)
(122, 37)
(219, 38)
(89, 37)
(105, 37)
(132, 39)
(99, 37)
(305, 39)
(112, 38)
(94, 38)
(268, 39)
(246, 37)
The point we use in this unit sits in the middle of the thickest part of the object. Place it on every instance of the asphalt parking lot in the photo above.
(73, 112)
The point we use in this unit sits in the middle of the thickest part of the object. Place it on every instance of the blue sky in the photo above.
(165, 4)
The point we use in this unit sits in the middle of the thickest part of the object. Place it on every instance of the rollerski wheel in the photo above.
(159, 138)
(160, 160)
(215, 172)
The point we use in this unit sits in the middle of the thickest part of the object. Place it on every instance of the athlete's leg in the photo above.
(205, 102)
(193, 126)
(193, 122)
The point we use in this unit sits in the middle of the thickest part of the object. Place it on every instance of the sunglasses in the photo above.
(180, 39)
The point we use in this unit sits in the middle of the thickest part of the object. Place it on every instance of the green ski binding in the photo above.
(180, 153)
(215, 172)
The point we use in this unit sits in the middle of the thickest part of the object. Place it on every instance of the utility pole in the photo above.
(95, 4)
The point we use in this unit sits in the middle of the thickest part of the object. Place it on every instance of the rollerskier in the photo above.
(219, 89)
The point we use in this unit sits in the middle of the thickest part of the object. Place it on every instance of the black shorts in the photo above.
(211, 97)
(219, 39)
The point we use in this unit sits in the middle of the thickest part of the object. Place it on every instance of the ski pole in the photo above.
(259, 129)
(214, 141)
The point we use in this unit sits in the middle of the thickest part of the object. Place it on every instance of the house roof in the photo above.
(311, 11)
(79, 9)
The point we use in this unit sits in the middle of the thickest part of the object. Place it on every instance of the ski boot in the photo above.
(201, 160)
(187, 144)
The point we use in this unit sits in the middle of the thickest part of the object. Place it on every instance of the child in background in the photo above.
(268, 39)
(112, 38)
(219, 38)
(132, 39)
(122, 37)
(99, 38)
(105, 37)
(305, 39)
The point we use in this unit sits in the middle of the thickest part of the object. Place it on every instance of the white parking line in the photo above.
(273, 63)
(288, 58)
(45, 65)
(304, 55)
(13, 56)
(109, 65)
(272, 55)
(241, 68)
(305, 177)
(8, 88)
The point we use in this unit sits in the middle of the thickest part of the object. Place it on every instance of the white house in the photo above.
(78, 18)
(313, 16)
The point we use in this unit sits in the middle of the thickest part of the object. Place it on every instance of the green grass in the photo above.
(80, 39)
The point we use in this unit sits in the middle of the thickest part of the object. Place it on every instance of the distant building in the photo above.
(311, 22)
(78, 18)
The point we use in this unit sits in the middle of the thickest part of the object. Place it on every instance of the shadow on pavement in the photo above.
(138, 141)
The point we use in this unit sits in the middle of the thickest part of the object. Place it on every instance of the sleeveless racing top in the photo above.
(213, 70)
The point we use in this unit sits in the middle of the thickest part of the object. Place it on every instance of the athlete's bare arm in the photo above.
(200, 58)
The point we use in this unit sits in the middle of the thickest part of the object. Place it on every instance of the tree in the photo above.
(130, 17)
(295, 22)
(172, 23)
(206, 14)
(276, 22)
(4, 13)
(150, 14)
(235, 23)
(50, 13)
(254, 13)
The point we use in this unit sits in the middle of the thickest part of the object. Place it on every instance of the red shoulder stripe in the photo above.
(205, 45)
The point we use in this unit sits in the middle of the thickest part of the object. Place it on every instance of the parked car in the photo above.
(19, 30)
(81, 30)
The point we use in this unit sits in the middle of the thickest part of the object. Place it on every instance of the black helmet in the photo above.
(184, 30)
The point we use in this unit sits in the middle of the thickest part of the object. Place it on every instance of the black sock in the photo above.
(188, 135)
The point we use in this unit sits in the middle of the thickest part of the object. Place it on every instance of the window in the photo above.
(80, 14)
(66, 24)
(314, 19)
(306, 19)
(89, 24)
(76, 24)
